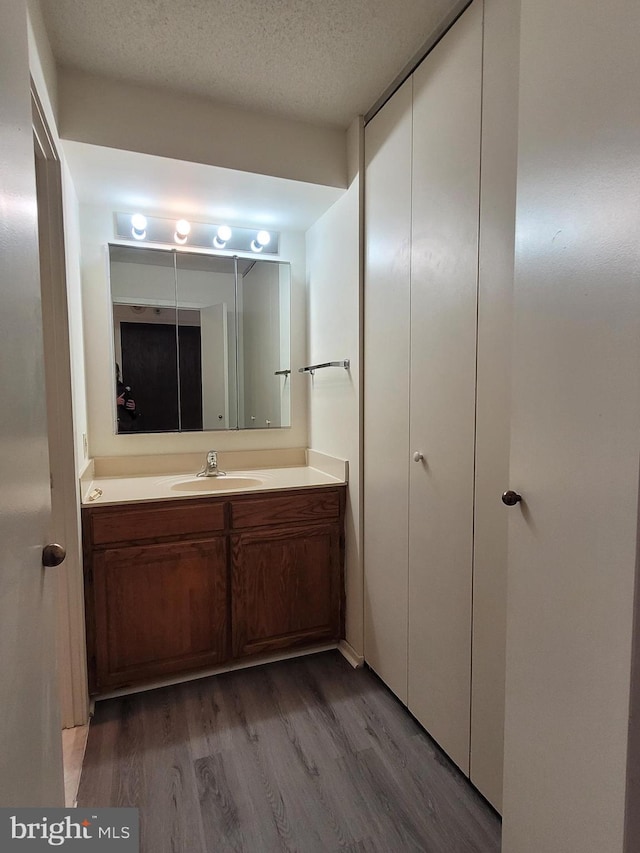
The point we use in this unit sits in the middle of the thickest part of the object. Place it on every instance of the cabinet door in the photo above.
(286, 588)
(386, 388)
(444, 277)
(159, 609)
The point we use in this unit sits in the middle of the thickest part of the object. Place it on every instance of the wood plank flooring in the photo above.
(305, 755)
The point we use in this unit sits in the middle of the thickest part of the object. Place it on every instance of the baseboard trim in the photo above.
(350, 654)
(218, 670)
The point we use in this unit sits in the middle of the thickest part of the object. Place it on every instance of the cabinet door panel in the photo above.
(159, 609)
(285, 588)
(446, 173)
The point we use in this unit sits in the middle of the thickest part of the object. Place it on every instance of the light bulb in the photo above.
(262, 239)
(223, 234)
(182, 231)
(138, 226)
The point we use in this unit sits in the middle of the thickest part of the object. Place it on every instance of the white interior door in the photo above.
(444, 280)
(386, 388)
(214, 345)
(30, 738)
(575, 435)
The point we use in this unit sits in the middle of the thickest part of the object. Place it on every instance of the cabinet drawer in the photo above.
(124, 524)
(320, 505)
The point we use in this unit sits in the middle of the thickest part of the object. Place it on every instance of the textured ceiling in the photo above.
(323, 61)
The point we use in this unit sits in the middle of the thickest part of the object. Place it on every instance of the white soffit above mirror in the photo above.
(127, 180)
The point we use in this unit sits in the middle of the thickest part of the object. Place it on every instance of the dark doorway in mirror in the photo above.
(190, 358)
(150, 364)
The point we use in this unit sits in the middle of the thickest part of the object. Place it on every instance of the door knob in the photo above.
(418, 457)
(511, 498)
(53, 555)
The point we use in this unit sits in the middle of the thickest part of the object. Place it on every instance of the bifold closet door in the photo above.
(444, 276)
(386, 388)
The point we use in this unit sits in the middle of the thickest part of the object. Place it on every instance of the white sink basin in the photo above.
(216, 484)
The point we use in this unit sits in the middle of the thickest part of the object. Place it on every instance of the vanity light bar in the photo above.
(196, 235)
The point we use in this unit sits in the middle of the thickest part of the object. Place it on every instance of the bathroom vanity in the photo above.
(178, 585)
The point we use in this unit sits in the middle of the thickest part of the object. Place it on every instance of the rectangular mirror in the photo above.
(201, 342)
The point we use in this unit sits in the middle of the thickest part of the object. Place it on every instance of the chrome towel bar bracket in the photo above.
(346, 363)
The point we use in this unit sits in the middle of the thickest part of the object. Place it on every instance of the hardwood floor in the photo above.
(305, 755)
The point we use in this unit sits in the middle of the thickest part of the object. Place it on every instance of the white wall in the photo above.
(153, 121)
(74, 305)
(333, 281)
(147, 284)
(42, 64)
(96, 232)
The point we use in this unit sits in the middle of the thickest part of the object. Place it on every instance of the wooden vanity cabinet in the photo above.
(286, 582)
(156, 590)
(178, 586)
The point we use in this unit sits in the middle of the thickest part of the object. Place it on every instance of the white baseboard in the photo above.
(218, 670)
(349, 653)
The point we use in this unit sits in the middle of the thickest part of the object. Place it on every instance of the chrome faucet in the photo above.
(211, 466)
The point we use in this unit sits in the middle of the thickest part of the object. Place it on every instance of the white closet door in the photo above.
(493, 416)
(446, 170)
(575, 435)
(386, 388)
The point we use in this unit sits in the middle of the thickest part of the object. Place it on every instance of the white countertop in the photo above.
(117, 490)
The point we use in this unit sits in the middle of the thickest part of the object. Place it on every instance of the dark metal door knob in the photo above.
(53, 555)
(511, 498)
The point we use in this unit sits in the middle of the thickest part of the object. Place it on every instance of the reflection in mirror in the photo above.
(143, 293)
(263, 297)
(201, 342)
(206, 285)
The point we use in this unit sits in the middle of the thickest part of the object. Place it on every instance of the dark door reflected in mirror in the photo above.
(201, 341)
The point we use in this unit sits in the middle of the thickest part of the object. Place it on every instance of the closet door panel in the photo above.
(495, 296)
(386, 388)
(571, 734)
(446, 169)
